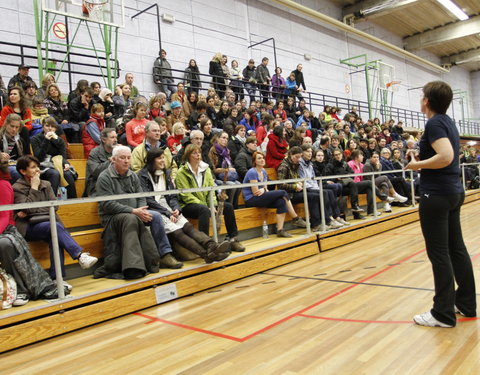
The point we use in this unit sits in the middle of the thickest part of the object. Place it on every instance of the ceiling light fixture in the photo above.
(454, 8)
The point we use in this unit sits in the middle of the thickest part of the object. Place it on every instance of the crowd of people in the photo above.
(186, 136)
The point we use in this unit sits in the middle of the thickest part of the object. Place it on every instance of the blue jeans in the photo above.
(42, 232)
(270, 199)
(158, 233)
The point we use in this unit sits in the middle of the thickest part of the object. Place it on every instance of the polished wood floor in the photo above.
(344, 311)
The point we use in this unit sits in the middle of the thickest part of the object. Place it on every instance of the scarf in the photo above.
(241, 139)
(224, 153)
(15, 141)
(39, 112)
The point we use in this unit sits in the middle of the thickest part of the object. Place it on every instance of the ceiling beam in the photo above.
(462, 58)
(374, 8)
(442, 34)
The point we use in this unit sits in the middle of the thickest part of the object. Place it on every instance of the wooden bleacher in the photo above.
(94, 301)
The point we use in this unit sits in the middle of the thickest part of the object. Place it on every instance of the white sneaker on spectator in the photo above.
(334, 224)
(390, 199)
(399, 198)
(21, 300)
(67, 285)
(86, 260)
(341, 221)
(387, 207)
(426, 319)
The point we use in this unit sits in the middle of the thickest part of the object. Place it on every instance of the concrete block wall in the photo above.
(203, 27)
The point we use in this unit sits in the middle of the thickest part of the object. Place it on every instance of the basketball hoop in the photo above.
(93, 9)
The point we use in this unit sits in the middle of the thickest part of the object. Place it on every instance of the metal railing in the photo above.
(317, 101)
(211, 191)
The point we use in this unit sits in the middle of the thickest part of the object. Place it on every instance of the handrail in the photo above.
(313, 100)
(210, 189)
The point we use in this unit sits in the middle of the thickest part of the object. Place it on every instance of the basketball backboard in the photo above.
(386, 75)
(107, 12)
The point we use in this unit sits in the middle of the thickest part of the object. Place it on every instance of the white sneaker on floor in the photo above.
(390, 199)
(426, 319)
(387, 207)
(457, 311)
(399, 198)
(334, 224)
(86, 260)
(341, 221)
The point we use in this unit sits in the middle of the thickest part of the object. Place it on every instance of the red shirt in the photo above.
(7, 110)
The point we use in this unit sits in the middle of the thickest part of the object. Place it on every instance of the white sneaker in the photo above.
(334, 224)
(390, 199)
(86, 260)
(341, 221)
(399, 198)
(22, 299)
(426, 319)
(387, 207)
(67, 286)
(457, 310)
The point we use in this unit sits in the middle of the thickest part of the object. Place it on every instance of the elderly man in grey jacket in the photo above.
(128, 217)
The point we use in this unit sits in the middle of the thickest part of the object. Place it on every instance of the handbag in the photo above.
(8, 289)
(345, 181)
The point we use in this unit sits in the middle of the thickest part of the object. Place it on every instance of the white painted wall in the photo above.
(204, 27)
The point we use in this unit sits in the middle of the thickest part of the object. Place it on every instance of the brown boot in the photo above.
(237, 246)
(169, 261)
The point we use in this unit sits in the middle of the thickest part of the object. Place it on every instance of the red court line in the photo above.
(357, 320)
(212, 333)
(278, 322)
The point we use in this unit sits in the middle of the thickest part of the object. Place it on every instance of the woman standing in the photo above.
(216, 71)
(442, 196)
(260, 196)
(192, 77)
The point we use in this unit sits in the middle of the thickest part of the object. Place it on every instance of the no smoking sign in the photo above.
(60, 30)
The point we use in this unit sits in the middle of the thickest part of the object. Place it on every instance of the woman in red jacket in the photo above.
(16, 103)
(277, 147)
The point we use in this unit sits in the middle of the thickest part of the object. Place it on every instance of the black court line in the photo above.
(352, 282)
(347, 282)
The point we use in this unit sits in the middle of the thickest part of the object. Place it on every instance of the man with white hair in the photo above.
(196, 138)
(125, 221)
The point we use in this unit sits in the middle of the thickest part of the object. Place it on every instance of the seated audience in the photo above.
(175, 140)
(260, 196)
(47, 147)
(290, 169)
(223, 169)
(130, 248)
(337, 166)
(106, 101)
(175, 116)
(152, 140)
(237, 142)
(99, 159)
(320, 169)
(401, 186)
(12, 145)
(244, 160)
(135, 128)
(156, 176)
(155, 107)
(122, 100)
(92, 129)
(79, 113)
(277, 147)
(195, 173)
(34, 224)
(17, 104)
(21, 78)
(331, 209)
(129, 81)
(15, 257)
(57, 108)
(81, 87)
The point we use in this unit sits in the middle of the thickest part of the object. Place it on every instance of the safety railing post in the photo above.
(374, 197)
(322, 204)
(412, 188)
(56, 253)
(307, 211)
(213, 215)
(463, 177)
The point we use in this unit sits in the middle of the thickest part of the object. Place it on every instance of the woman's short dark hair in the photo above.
(189, 151)
(24, 161)
(439, 95)
(150, 159)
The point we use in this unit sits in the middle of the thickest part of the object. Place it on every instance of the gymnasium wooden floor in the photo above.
(344, 311)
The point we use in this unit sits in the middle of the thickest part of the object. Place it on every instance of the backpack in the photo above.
(8, 289)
